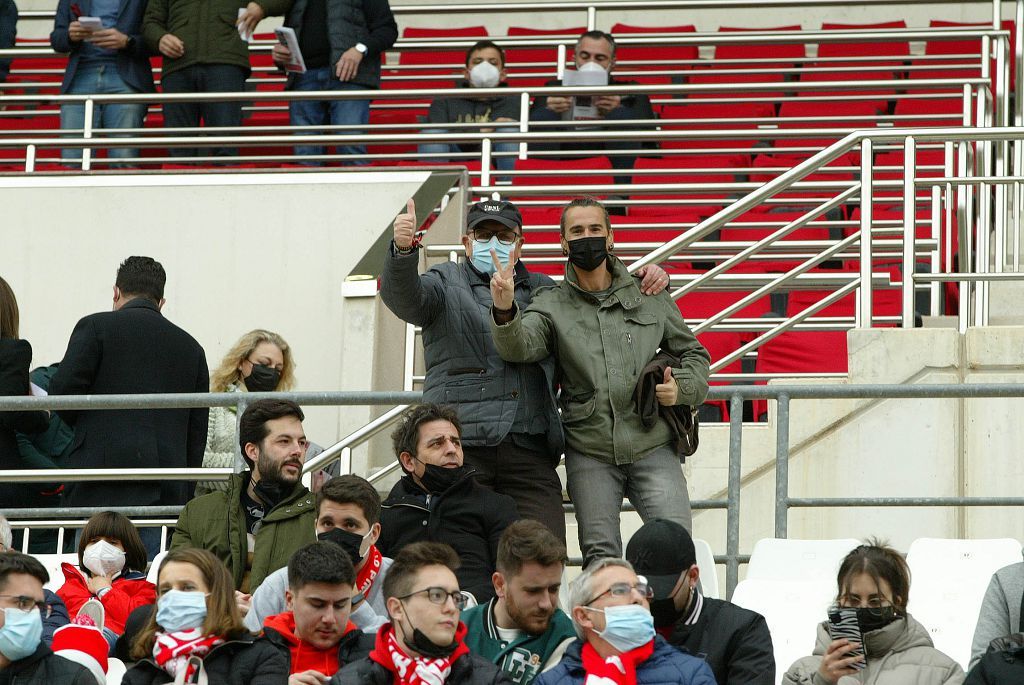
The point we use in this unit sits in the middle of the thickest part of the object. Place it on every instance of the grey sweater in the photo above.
(1000, 609)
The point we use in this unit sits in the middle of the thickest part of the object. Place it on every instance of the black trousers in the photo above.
(204, 78)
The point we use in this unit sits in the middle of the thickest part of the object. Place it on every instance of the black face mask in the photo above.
(350, 542)
(271, 492)
(875, 619)
(664, 612)
(423, 644)
(262, 379)
(437, 479)
(588, 253)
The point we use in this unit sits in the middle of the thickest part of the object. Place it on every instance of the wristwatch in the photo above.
(361, 48)
(130, 43)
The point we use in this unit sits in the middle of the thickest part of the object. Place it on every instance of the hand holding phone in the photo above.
(845, 656)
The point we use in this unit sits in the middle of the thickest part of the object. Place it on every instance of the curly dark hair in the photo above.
(407, 435)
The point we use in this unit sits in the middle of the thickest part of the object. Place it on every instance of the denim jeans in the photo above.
(203, 78)
(328, 112)
(101, 78)
(655, 485)
(500, 163)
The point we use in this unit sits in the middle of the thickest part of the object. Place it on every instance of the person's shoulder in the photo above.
(473, 669)
(494, 501)
(664, 653)
(474, 616)
(16, 351)
(562, 624)
(733, 613)
(364, 671)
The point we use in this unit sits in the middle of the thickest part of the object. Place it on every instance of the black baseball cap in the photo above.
(504, 213)
(661, 550)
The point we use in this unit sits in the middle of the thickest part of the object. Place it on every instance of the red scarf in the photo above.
(172, 650)
(370, 571)
(409, 670)
(619, 669)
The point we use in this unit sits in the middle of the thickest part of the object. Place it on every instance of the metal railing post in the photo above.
(240, 407)
(30, 159)
(935, 289)
(864, 308)
(591, 18)
(909, 234)
(782, 467)
(524, 120)
(485, 162)
(732, 514)
(90, 106)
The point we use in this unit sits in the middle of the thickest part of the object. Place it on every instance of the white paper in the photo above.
(286, 37)
(583, 105)
(36, 391)
(91, 23)
(247, 37)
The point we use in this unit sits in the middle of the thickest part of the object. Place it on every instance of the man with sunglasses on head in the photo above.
(618, 644)
(425, 640)
(511, 432)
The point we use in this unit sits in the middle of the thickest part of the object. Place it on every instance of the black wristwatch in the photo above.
(130, 45)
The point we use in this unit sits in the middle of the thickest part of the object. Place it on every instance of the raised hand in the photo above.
(667, 392)
(654, 279)
(405, 226)
(503, 281)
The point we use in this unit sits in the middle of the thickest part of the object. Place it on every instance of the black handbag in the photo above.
(1003, 663)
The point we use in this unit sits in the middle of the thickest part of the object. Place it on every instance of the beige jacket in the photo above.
(899, 654)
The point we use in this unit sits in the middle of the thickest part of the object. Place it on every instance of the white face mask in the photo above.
(590, 66)
(103, 559)
(484, 75)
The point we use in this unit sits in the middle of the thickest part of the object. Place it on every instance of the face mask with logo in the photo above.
(21, 633)
(262, 379)
(590, 66)
(588, 253)
(484, 75)
(178, 610)
(103, 559)
(627, 627)
(481, 258)
(354, 544)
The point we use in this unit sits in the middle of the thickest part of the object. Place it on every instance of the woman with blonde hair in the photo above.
(261, 361)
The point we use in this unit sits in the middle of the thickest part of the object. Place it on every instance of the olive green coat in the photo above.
(216, 522)
(600, 348)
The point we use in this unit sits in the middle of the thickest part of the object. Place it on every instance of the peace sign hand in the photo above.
(503, 285)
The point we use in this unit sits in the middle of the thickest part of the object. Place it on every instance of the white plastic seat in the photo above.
(781, 559)
(154, 567)
(792, 608)
(708, 570)
(948, 582)
(52, 562)
(115, 671)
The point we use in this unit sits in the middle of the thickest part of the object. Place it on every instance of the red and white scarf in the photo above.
(411, 670)
(370, 570)
(171, 651)
(618, 669)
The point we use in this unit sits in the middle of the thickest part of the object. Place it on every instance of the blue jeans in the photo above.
(500, 163)
(100, 78)
(329, 112)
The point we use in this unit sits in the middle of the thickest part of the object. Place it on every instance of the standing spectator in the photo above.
(261, 361)
(522, 630)
(342, 44)
(734, 641)
(425, 642)
(8, 31)
(56, 614)
(133, 349)
(618, 645)
(113, 59)
(603, 333)
(15, 359)
(485, 68)
(203, 53)
(439, 500)
(266, 513)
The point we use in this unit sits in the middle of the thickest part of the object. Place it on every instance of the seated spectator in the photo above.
(617, 642)
(1000, 609)
(875, 580)
(103, 61)
(111, 568)
(203, 52)
(595, 51)
(316, 629)
(55, 614)
(522, 630)
(347, 514)
(485, 68)
(24, 658)
(342, 46)
(734, 641)
(196, 631)
(425, 641)
(8, 31)
(261, 361)
(266, 513)
(438, 500)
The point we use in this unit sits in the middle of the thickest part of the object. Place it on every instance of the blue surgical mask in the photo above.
(627, 627)
(177, 610)
(21, 633)
(482, 254)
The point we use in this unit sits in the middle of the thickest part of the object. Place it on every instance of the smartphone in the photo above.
(842, 623)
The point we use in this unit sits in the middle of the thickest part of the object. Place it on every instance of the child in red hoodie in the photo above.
(316, 628)
(111, 565)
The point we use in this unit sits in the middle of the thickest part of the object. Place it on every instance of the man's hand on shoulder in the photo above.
(654, 279)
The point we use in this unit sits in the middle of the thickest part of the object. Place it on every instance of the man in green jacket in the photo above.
(266, 514)
(603, 333)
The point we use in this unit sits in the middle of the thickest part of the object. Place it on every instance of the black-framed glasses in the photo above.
(29, 603)
(438, 595)
(624, 589)
(505, 236)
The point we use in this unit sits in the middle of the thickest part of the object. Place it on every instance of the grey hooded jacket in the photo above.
(1000, 609)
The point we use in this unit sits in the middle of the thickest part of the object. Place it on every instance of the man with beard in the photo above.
(266, 514)
(522, 630)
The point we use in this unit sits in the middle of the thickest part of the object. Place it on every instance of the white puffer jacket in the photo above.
(220, 444)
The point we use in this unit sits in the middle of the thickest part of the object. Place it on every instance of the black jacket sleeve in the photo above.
(77, 371)
(382, 25)
(15, 358)
(413, 298)
(752, 661)
(198, 418)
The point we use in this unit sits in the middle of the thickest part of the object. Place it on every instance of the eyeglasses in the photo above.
(29, 603)
(438, 595)
(505, 237)
(624, 589)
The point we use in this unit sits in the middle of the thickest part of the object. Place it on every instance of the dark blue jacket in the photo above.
(132, 62)
(58, 615)
(666, 666)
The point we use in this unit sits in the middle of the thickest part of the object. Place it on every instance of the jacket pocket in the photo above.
(471, 390)
(640, 340)
(578, 408)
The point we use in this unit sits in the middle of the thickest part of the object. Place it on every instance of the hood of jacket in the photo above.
(303, 655)
(902, 634)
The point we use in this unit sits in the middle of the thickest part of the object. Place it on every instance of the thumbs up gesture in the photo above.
(405, 226)
(668, 391)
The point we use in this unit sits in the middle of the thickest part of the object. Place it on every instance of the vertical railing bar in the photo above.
(87, 134)
(732, 513)
(591, 18)
(909, 233)
(239, 410)
(782, 467)
(936, 214)
(524, 120)
(30, 159)
(560, 66)
(866, 213)
(485, 162)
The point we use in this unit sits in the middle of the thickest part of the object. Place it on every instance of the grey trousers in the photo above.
(655, 485)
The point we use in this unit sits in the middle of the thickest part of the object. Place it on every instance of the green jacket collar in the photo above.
(624, 289)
